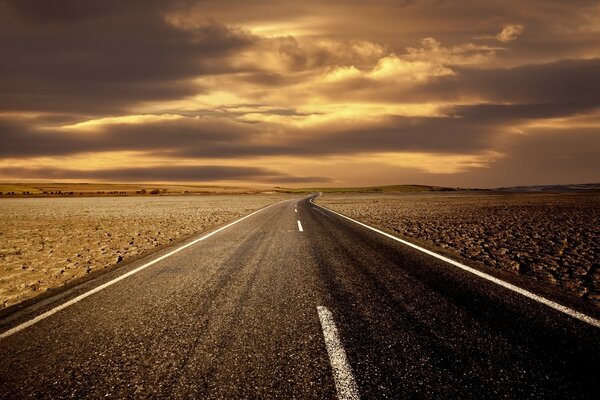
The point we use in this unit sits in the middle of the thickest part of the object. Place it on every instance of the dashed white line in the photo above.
(540, 299)
(120, 278)
(342, 372)
(300, 226)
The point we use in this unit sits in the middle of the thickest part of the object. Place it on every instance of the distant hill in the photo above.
(128, 189)
(551, 188)
(368, 189)
(111, 189)
(426, 188)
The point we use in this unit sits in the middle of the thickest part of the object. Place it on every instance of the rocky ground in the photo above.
(550, 237)
(48, 242)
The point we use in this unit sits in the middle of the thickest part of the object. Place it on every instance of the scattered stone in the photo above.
(550, 237)
(515, 266)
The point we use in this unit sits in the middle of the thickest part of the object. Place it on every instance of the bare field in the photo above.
(32, 189)
(550, 237)
(48, 242)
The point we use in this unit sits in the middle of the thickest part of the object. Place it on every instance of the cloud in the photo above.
(568, 82)
(161, 174)
(542, 156)
(431, 50)
(506, 100)
(177, 83)
(73, 11)
(288, 53)
(160, 134)
(465, 129)
(572, 83)
(104, 57)
(510, 32)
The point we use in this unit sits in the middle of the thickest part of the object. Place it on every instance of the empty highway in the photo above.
(295, 301)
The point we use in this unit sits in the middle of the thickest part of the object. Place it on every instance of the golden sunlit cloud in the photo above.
(510, 32)
(435, 163)
(124, 119)
(284, 29)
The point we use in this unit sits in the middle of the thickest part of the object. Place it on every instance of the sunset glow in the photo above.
(463, 93)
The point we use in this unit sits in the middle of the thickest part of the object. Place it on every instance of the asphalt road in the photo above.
(235, 316)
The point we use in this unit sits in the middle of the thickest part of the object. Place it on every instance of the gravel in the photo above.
(549, 237)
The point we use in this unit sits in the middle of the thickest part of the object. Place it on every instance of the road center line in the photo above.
(342, 372)
(120, 278)
(300, 226)
(540, 299)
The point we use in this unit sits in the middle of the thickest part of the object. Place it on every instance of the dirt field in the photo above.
(550, 237)
(49, 189)
(48, 242)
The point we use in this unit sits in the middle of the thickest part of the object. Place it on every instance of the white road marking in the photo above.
(120, 278)
(300, 226)
(540, 299)
(342, 372)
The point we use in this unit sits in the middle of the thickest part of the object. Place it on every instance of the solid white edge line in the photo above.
(540, 299)
(300, 226)
(120, 278)
(345, 384)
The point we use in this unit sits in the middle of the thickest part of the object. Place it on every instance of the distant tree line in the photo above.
(73, 193)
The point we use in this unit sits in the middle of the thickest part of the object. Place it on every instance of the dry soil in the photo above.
(550, 237)
(48, 242)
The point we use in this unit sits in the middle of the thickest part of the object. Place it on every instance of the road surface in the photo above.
(297, 302)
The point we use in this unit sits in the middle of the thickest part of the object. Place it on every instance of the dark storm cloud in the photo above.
(102, 56)
(222, 139)
(467, 129)
(563, 82)
(399, 24)
(162, 173)
(543, 156)
(72, 11)
(502, 115)
(394, 134)
(573, 83)
(22, 140)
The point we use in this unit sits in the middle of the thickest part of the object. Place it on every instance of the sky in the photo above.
(462, 93)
